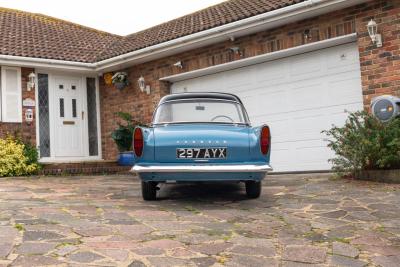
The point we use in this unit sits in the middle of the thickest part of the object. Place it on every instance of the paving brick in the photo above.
(200, 243)
(304, 254)
(345, 250)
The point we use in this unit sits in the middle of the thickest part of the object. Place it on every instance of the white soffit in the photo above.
(262, 58)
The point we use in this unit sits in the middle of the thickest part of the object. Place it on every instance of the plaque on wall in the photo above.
(28, 102)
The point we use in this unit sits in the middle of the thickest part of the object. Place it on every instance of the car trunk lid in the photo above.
(169, 138)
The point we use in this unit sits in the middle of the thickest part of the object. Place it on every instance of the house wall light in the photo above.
(31, 81)
(307, 35)
(235, 50)
(142, 85)
(179, 64)
(373, 33)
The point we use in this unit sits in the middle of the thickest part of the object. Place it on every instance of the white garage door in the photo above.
(298, 97)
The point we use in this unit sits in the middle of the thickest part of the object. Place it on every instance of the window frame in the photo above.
(242, 111)
(3, 93)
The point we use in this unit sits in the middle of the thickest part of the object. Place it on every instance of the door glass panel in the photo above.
(92, 116)
(74, 108)
(44, 122)
(62, 107)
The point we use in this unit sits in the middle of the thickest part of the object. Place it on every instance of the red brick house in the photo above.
(296, 64)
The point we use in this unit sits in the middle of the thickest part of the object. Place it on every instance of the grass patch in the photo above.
(19, 227)
(343, 240)
(160, 237)
(64, 244)
(191, 209)
(222, 260)
(381, 229)
(64, 209)
(99, 210)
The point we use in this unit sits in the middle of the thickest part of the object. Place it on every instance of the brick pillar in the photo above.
(28, 130)
(380, 67)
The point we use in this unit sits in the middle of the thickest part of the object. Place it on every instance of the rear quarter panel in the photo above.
(254, 146)
(148, 149)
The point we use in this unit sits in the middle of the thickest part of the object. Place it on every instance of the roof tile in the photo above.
(35, 35)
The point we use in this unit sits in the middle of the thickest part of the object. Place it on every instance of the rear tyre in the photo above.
(149, 191)
(253, 189)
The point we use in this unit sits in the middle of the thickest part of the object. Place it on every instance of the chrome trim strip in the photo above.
(195, 99)
(201, 168)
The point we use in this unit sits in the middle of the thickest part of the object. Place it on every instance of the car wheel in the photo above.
(253, 189)
(149, 190)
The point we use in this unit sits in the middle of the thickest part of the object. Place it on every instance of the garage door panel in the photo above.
(308, 95)
(305, 65)
(298, 97)
(263, 104)
(292, 154)
(272, 74)
(305, 127)
(308, 124)
(263, 90)
(280, 131)
(234, 82)
(343, 90)
(343, 58)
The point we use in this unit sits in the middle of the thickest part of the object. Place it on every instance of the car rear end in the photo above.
(203, 153)
(193, 151)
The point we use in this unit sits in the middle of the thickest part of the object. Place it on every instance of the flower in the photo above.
(120, 77)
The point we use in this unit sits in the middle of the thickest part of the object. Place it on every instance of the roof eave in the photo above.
(44, 63)
(265, 21)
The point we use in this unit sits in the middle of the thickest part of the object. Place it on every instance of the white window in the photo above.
(10, 95)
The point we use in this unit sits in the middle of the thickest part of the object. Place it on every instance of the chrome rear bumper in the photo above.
(201, 168)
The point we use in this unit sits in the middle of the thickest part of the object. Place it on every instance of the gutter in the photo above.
(272, 19)
(241, 63)
(18, 61)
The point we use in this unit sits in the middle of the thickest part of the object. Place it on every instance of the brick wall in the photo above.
(380, 67)
(24, 130)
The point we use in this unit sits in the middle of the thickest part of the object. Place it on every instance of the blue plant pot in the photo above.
(120, 85)
(126, 159)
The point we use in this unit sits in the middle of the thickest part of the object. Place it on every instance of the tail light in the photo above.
(265, 140)
(138, 142)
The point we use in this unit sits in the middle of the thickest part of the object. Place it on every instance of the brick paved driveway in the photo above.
(102, 221)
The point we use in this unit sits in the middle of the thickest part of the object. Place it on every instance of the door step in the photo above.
(86, 168)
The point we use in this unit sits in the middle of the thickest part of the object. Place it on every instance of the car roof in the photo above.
(211, 95)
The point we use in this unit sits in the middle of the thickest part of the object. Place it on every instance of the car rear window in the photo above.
(200, 111)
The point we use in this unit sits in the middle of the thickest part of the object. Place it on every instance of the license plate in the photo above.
(201, 153)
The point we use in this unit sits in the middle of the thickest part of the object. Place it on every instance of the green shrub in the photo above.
(365, 143)
(31, 153)
(123, 135)
(17, 159)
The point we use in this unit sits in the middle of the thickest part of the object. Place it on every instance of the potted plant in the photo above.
(122, 137)
(120, 80)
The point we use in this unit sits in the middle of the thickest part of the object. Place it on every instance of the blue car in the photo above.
(201, 137)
